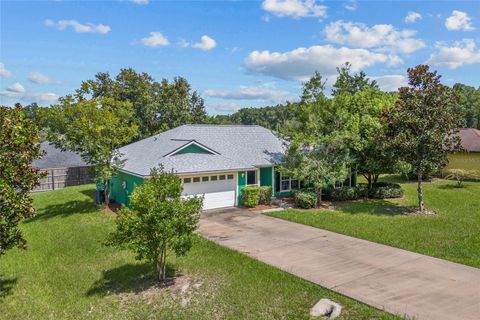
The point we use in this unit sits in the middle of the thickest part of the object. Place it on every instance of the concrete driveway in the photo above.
(398, 281)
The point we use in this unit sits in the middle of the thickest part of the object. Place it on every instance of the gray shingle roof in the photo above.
(56, 158)
(238, 147)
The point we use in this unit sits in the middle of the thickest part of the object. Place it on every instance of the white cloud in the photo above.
(228, 107)
(412, 17)
(78, 27)
(300, 64)
(295, 8)
(379, 36)
(460, 53)
(351, 5)
(17, 92)
(205, 44)
(4, 73)
(390, 83)
(16, 87)
(154, 40)
(459, 20)
(38, 77)
(139, 1)
(249, 93)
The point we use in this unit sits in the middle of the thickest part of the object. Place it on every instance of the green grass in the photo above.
(67, 273)
(453, 234)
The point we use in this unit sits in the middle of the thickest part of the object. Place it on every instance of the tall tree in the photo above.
(351, 83)
(19, 146)
(317, 149)
(159, 220)
(157, 106)
(95, 129)
(363, 111)
(420, 126)
(468, 104)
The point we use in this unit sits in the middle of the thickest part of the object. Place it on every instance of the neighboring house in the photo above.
(469, 159)
(216, 161)
(63, 168)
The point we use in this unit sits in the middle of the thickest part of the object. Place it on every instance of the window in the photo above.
(204, 179)
(251, 177)
(187, 180)
(230, 177)
(222, 177)
(285, 183)
(213, 178)
(196, 179)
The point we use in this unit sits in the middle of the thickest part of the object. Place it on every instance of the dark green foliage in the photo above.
(345, 193)
(159, 220)
(305, 199)
(420, 126)
(468, 104)
(251, 196)
(265, 196)
(385, 190)
(157, 106)
(19, 146)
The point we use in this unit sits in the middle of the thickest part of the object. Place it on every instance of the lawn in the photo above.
(67, 273)
(453, 234)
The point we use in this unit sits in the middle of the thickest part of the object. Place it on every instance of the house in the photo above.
(63, 168)
(214, 161)
(469, 159)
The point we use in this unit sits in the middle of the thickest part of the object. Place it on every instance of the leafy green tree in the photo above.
(363, 113)
(420, 126)
(157, 106)
(468, 104)
(351, 83)
(95, 129)
(159, 221)
(19, 146)
(317, 140)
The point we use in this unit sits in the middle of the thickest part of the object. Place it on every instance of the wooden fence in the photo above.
(64, 177)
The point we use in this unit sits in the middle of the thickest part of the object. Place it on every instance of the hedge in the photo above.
(384, 190)
(253, 196)
(305, 199)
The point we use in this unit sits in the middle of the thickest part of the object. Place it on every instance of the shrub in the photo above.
(250, 196)
(345, 193)
(384, 190)
(305, 199)
(362, 190)
(265, 196)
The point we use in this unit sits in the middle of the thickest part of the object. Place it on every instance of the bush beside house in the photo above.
(254, 196)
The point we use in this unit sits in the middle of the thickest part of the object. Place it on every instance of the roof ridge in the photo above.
(221, 125)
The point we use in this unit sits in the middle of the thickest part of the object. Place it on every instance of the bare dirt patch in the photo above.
(111, 209)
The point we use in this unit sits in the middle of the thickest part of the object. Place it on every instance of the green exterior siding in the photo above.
(266, 178)
(122, 186)
(193, 148)
(242, 181)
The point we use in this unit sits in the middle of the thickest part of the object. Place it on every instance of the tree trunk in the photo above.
(319, 195)
(420, 193)
(368, 176)
(375, 179)
(162, 263)
(105, 192)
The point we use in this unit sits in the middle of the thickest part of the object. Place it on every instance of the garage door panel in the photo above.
(217, 194)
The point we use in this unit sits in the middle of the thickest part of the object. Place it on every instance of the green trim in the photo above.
(266, 178)
(242, 181)
(192, 148)
(122, 186)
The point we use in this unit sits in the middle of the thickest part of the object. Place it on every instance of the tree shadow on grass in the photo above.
(452, 186)
(129, 278)
(373, 207)
(6, 286)
(64, 210)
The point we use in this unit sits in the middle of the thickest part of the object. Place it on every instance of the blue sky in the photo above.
(235, 53)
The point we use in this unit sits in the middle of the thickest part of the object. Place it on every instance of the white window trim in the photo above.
(257, 178)
(289, 184)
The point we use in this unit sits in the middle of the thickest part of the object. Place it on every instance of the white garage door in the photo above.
(218, 190)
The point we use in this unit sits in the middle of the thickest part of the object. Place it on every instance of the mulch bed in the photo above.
(111, 209)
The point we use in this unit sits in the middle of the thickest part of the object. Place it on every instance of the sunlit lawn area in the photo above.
(67, 273)
(452, 234)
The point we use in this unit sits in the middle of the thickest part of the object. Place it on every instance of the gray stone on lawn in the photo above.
(326, 308)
